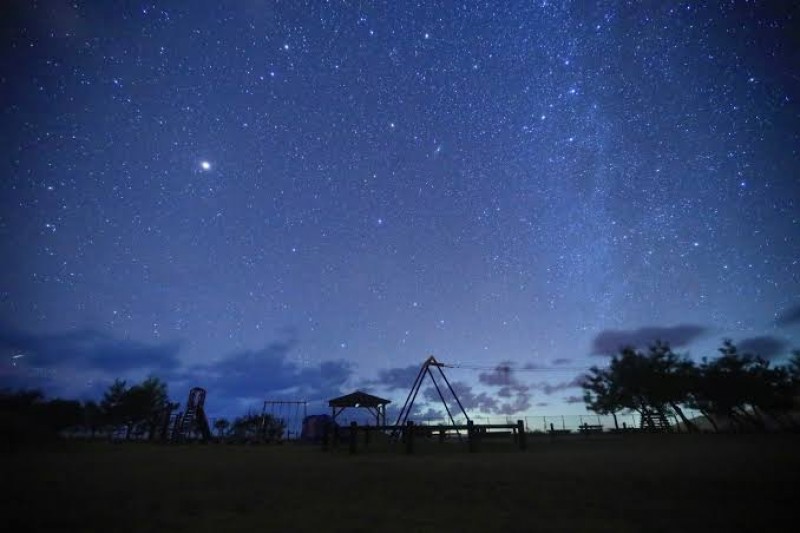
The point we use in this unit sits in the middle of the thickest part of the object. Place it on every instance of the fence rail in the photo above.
(561, 422)
(533, 423)
(407, 434)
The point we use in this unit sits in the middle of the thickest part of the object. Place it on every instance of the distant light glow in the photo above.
(205, 165)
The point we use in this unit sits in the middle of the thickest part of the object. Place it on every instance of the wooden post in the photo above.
(472, 437)
(409, 437)
(521, 435)
(353, 437)
(441, 433)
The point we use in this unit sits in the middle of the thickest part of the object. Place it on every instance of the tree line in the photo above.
(736, 391)
(731, 391)
(138, 411)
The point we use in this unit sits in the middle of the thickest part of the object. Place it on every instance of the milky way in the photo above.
(323, 192)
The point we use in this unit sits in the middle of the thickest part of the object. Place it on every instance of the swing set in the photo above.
(290, 414)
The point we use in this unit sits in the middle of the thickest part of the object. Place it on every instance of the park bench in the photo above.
(553, 432)
(586, 429)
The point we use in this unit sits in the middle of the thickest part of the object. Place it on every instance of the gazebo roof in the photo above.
(358, 399)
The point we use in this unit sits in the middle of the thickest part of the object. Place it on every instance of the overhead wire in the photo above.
(510, 368)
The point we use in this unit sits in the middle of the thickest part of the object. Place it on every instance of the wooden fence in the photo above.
(408, 435)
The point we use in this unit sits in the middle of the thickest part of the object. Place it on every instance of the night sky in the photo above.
(294, 200)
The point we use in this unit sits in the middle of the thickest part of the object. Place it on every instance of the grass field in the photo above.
(637, 483)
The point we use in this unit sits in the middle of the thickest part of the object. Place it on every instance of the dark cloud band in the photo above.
(609, 342)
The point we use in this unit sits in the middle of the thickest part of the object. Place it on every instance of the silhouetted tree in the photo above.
(113, 403)
(740, 388)
(257, 427)
(148, 402)
(60, 414)
(141, 405)
(625, 384)
(18, 424)
(793, 367)
(698, 397)
(601, 394)
(27, 419)
(24, 400)
(221, 425)
(769, 390)
(92, 417)
(793, 371)
(662, 382)
(671, 379)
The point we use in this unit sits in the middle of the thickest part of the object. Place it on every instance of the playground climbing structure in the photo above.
(192, 422)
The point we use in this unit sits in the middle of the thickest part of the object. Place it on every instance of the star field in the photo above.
(370, 184)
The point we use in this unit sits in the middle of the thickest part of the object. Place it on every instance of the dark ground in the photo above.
(638, 483)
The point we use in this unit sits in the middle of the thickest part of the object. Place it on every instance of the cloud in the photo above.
(268, 373)
(511, 395)
(430, 415)
(509, 399)
(516, 395)
(789, 317)
(17, 376)
(505, 392)
(82, 363)
(520, 403)
(466, 395)
(395, 378)
(501, 375)
(765, 346)
(88, 350)
(551, 388)
(573, 399)
(609, 342)
(561, 361)
(533, 366)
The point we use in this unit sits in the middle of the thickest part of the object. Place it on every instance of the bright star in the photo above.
(205, 165)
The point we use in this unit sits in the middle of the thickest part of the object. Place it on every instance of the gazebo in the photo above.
(376, 406)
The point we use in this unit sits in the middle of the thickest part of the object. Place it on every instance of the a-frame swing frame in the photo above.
(402, 417)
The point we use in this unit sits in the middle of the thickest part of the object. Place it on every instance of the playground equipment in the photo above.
(656, 421)
(290, 412)
(402, 417)
(374, 405)
(409, 433)
(192, 423)
(314, 427)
